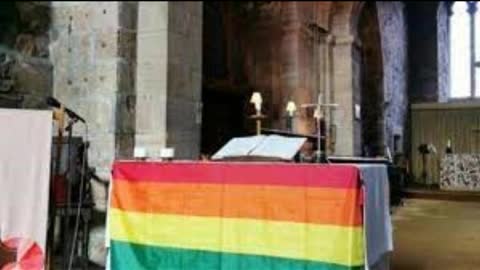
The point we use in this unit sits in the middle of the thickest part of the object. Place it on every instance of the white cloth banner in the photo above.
(25, 153)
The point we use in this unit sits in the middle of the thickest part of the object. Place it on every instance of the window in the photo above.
(464, 50)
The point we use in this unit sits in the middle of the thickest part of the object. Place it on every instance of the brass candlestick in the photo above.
(258, 119)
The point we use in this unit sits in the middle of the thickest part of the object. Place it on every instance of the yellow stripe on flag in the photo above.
(324, 243)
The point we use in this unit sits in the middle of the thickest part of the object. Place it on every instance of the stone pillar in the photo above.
(289, 68)
(472, 9)
(126, 68)
(169, 77)
(307, 81)
(92, 75)
(443, 51)
(152, 61)
(343, 76)
(184, 78)
(325, 81)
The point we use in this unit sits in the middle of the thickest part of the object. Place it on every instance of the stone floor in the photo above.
(433, 235)
(436, 235)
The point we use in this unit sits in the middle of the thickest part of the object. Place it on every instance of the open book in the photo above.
(263, 147)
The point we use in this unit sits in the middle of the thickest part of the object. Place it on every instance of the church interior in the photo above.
(377, 82)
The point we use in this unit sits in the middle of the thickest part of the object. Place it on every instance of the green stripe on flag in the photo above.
(129, 256)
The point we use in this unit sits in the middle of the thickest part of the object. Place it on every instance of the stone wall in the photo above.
(425, 79)
(25, 70)
(279, 61)
(393, 29)
(268, 49)
(96, 51)
(93, 51)
(276, 50)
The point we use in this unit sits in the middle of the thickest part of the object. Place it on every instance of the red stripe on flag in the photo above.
(282, 174)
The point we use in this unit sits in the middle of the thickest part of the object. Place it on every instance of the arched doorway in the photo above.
(371, 83)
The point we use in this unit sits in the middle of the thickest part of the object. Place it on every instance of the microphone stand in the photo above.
(59, 116)
(68, 192)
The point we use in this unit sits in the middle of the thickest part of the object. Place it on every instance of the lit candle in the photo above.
(317, 114)
(256, 99)
(291, 108)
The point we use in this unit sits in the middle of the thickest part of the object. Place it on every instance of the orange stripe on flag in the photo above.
(296, 204)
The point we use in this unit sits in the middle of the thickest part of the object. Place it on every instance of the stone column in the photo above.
(91, 52)
(308, 80)
(126, 71)
(343, 76)
(169, 77)
(184, 78)
(288, 62)
(326, 74)
(152, 62)
(472, 9)
(443, 51)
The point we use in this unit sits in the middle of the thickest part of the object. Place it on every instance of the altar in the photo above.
(441, 126)
(248, 215)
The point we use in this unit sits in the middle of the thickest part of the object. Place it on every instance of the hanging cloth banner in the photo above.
(25, 152)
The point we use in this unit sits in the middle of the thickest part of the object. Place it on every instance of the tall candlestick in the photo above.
(259, 127)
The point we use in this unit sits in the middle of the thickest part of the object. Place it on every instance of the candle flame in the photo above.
(256, 99)
(317, 114)
(291, 108)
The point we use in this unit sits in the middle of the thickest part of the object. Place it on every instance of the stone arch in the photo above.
(323, 10)
(347, 85)
(344, 16)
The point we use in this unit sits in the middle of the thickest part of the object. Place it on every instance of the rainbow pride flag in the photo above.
(235, 216)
